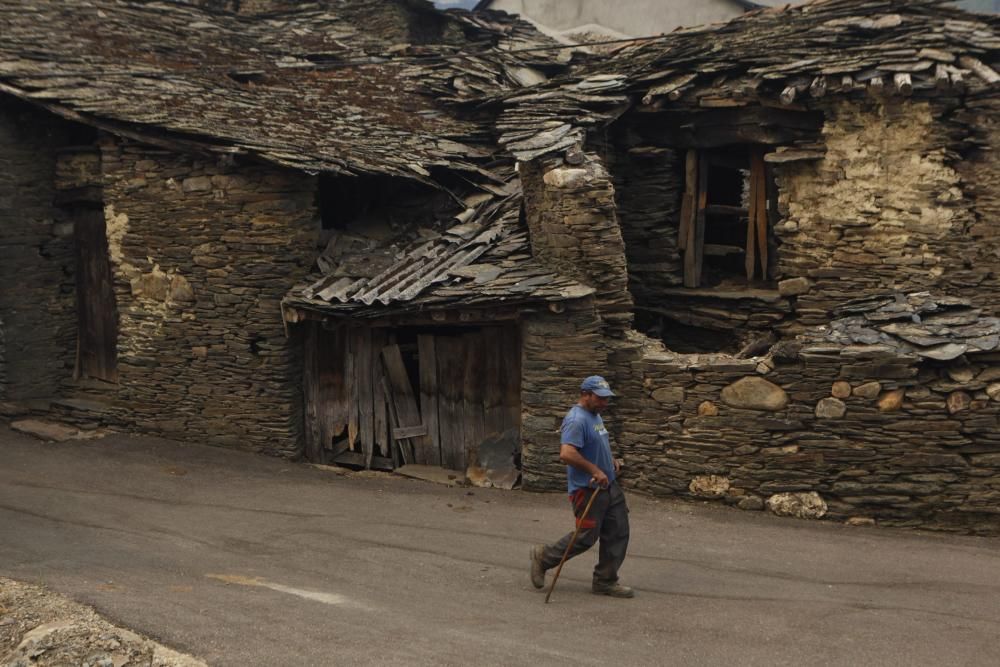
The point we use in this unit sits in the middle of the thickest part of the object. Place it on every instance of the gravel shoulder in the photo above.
(39, 628)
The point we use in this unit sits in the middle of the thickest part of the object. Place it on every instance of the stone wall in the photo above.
(648, 186)
(850, 435)
(37, 297)
(883, 210)
(574, 228)
(558, 351)
(979, 167)
(202, 252)
(903, 200)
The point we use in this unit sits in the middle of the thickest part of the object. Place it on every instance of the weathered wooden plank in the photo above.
(407, 411)
(474, 384)
(493, 389)
(365, 396)
(686, 222)
(334, 401)
(326, 400)
(351, 380)
(427, 360)
(511, 365)
(381, 415)
(451, 378)
(758, 201)
(314, 446)
(404, 432)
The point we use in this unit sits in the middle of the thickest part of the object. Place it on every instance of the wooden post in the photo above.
(699, 225)
(696, 179)
(686, 222)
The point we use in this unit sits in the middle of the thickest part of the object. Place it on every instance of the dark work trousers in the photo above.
(607, 522)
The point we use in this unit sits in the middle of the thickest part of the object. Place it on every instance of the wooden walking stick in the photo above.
(572, 541)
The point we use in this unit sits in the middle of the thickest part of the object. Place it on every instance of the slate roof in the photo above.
(338, 87)
(783, 56)
(482, 256)
(319, 86)
(916, 325)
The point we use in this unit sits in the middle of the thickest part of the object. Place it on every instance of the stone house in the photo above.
(730, 206)
(157, 204)
(292, 231)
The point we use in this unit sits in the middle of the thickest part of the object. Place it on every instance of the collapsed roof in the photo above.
(919, 325)
(481, 256)
(366, 86)
(783, 57)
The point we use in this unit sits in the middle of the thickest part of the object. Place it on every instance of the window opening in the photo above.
(724, 231)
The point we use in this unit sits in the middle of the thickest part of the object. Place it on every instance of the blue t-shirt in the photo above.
(585, 431)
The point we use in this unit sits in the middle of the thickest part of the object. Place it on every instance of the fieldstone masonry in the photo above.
(574, 228)
(558, 351)
(847, 431)
(202, 252)
(887, 208)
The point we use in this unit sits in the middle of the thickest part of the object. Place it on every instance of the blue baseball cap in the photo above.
(595, 384)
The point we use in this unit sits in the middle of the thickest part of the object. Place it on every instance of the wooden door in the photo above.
(478, 392)
(97, 314)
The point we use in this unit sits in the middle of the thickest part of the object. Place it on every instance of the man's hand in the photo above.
(618, 465)
(598, 478)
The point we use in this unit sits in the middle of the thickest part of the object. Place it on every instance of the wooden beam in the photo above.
(473, 404)
(365, 395)
(401, 452)
(903, 83)
(315, 447)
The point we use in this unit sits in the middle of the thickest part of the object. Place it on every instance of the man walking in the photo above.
(590, 468)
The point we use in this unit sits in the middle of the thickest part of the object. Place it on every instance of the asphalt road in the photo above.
(244, 560)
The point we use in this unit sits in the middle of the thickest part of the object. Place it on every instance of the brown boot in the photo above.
(537, 571)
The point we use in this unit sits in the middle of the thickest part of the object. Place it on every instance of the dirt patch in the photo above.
(38, 627)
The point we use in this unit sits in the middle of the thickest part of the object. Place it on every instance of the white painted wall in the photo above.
(637, 18)
(634, 18)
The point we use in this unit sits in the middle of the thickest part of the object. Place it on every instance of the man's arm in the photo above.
(571, 456)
